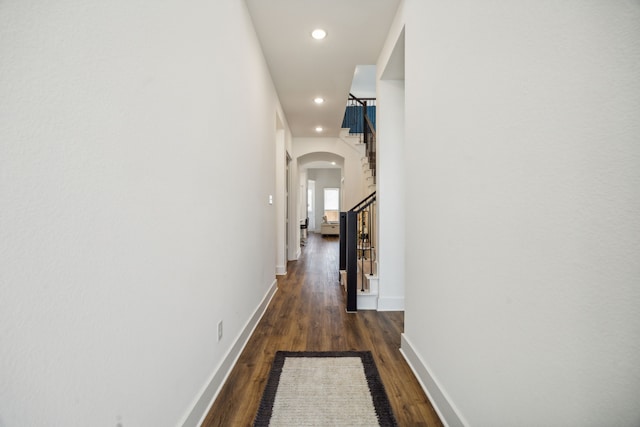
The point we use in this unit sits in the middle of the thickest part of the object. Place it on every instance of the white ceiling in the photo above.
(303, 68)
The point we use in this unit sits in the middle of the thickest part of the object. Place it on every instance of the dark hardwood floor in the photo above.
(308, 313)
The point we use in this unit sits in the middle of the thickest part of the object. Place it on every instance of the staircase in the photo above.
(358, 237)
(360, 119)
(358, 264)
(367, 283)
(368, 170)
(367, 161)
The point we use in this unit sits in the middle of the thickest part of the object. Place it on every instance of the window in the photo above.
(332, 204)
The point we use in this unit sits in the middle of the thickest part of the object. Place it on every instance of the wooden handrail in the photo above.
(361, 101)
(373, 131)
(363, 201)
(366, 205)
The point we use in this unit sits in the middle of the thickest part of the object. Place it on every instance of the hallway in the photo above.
(307, 313)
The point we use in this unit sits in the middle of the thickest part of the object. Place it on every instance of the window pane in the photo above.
(331, 199)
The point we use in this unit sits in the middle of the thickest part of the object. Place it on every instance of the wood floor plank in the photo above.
(308, 313)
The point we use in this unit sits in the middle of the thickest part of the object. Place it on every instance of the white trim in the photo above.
(367, 301)
(210, 391)
(391, 304)
(281, 270)
(441, 402)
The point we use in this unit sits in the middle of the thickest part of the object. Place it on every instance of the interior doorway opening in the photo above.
(311, 206)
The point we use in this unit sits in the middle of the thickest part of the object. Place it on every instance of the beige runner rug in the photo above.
(324, 389)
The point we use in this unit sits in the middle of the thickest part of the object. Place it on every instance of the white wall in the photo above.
(390, 196)
(130, 184)
(522, 126)
(390, 159)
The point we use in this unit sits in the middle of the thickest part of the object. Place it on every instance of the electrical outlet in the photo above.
(219, 330)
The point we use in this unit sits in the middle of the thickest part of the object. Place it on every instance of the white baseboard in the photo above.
(441, 401)
(391, 304)
(281, 270)
(210, 392)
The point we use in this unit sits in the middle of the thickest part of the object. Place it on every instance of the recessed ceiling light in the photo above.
(319, 129)
(318, 100)
(318, 34)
